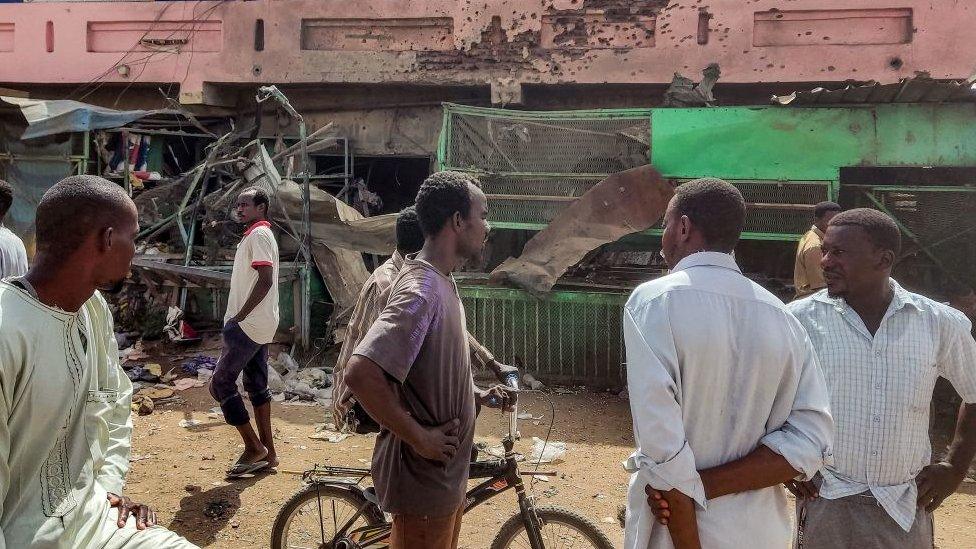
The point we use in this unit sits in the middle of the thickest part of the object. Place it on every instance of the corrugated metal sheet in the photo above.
(919, 89)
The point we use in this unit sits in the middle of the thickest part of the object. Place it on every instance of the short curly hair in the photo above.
(440, 196)
(716, 208)
(74, 208)
(822, 208)
(6, 198)
(409, 237)
(879, 226)
(260, 197)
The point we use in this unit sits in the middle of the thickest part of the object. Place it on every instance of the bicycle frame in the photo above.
(501, 474)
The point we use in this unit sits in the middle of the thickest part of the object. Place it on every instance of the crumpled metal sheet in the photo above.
(625, 202)
(340, 235)
(50, 117)
(337, 224)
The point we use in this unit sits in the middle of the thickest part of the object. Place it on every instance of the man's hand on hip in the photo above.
(439, 443)
(145, 517)
(936, 482)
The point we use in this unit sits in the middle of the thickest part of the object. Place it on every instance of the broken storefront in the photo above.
(549, 300)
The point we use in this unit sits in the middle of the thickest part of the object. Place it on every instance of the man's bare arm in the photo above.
(684, 527)
(940, 480)
(374, 390)
(258, 292)
(759, 469)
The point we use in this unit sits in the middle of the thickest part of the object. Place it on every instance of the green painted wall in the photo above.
(809, 143)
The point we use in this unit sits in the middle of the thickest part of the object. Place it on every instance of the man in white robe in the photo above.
(65, 427)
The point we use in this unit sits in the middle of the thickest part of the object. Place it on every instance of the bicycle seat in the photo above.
(370, 495)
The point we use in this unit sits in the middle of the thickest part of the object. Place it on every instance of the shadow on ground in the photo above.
(203, 513)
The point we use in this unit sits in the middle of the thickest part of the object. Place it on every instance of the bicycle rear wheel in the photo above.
(560, 529)
(310, 519)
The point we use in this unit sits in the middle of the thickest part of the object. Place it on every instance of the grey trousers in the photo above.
(858, 522)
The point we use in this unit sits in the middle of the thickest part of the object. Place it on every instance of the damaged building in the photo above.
(795, 102)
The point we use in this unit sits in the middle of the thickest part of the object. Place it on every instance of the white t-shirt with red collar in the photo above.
(257, 248)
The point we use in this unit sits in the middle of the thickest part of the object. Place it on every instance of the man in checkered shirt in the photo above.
(882, 349)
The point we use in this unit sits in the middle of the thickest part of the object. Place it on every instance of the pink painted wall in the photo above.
(196, 44)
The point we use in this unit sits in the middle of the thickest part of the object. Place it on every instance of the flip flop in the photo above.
(241, 470)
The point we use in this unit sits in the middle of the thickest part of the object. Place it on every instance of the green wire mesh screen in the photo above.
(780, 210)
(938, 226)
(568, 337)
(533, 164)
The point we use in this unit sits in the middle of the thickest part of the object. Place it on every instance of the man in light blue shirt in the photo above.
(726, 394)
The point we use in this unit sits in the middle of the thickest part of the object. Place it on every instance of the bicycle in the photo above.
(342, 514)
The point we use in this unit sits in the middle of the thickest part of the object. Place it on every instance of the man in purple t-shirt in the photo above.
(412, 372)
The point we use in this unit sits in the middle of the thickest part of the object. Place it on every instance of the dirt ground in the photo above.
(180, 471)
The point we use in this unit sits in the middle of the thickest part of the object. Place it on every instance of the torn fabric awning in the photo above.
(51, 117)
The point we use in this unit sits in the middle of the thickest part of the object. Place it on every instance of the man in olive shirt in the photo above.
(808, 278)
(412, 372)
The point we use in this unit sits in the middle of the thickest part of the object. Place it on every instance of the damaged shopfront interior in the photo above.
(574, 204)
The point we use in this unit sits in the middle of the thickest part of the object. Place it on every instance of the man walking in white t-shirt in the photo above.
(250, 324)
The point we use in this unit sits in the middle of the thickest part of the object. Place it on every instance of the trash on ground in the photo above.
(193, 365)
(133, 353)
(140, 457)
(553, 451)
(188, 423)
(185, 383)
(143, 405)
(532, 383)
(204, 374)
(323, 432)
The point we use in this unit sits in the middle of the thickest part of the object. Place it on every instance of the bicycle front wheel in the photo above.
(310, 519)
(560, 529)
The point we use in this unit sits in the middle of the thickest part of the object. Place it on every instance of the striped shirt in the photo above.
(371, 302)
(881, 390)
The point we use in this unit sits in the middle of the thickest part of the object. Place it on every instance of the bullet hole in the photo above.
(895, 63)
(831, 68)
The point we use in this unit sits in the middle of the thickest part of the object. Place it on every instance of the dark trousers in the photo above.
(240, 354)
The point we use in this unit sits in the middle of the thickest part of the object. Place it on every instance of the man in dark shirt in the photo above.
(412, 372)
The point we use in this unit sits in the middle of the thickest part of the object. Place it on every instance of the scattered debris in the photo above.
(543, 452)
(143, 405)
(140, 457)
(140, 373)
(324, 431)
(217, 508)
(189, 423)
(551, 492)
(683, 92)
(133, 353)
(204, 374)
(185, 383)
(193, 365)
(532, 383)
(541, 478)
